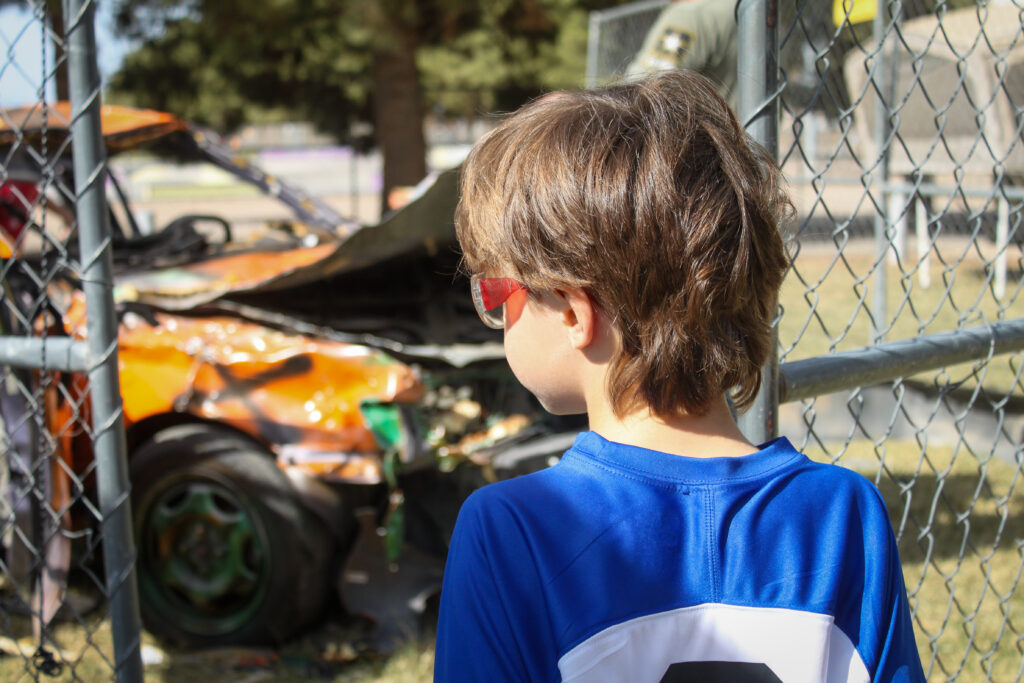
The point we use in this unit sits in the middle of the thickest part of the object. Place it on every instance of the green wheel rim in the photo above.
(204, 556)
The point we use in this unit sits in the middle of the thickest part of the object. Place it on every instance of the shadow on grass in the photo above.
(338, 650)
(956, 515)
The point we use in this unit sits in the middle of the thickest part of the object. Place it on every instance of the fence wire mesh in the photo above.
(615, 36)
(901, 140)
(54, 588)
(900, 136)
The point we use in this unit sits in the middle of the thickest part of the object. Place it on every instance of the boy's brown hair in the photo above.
(651, 198)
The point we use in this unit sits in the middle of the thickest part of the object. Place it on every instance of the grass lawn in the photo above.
(961, 520)
(961, 542)
(328, 654)
(827, 300)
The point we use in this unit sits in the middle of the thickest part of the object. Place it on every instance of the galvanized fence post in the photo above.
(97, 283)
(593, 34)
(882, 81)
(757, 98)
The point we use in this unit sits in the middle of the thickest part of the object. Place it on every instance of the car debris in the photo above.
(276, 390)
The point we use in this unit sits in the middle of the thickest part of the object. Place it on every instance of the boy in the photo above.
(627, 240)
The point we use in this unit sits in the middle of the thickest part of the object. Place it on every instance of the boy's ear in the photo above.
(579, 317)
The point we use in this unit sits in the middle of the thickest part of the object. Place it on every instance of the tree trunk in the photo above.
(55, 8)
(398, 114)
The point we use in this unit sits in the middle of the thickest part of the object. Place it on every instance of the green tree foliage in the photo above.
(508, 51)
(383, 62)
(336, 62)
(225, 62)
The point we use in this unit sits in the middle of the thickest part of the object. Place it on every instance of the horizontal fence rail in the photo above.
(811, 377)
(59, 353)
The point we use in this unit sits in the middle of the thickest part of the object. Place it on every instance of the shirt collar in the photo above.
(770, 456)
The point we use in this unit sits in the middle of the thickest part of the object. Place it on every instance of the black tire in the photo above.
(227, 555)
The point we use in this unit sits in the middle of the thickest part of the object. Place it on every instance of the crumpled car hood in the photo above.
(427, 221)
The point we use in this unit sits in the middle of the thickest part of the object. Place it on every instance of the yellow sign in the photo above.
(854, 11)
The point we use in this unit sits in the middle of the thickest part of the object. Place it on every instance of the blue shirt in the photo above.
(626, 564)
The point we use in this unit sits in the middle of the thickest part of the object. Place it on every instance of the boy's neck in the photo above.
(712, 435)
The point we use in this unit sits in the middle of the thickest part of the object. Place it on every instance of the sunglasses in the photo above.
(489, 293)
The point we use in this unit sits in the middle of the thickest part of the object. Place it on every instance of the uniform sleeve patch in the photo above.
(674, 44)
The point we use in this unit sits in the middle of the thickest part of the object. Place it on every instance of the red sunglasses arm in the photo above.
(494, 291)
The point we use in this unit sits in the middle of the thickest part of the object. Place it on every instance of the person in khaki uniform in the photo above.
(699, 35)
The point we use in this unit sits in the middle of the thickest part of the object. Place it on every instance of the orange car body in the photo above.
(297, 395)
(352, 354)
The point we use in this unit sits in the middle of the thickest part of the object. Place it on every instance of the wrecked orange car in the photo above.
(279, 395)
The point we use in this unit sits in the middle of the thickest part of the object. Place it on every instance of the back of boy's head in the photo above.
(651, 198)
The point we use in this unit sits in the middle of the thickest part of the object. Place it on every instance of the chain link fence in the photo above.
(614, 37)
(902, 318)
(68, 606)
(900, 135)
(900, 335)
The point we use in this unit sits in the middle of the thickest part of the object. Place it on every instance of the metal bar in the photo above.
(628, 10)
(924, 245)
(1002, 246)
(51, 353)
(896, 209)
(880, 172)
(593, 40)
(758, 70)
(758, 104)
(97, 283)
(886, 362)
(314, 211)
(929, 189)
